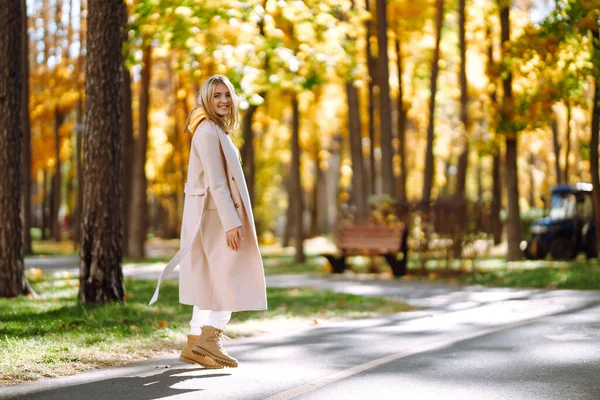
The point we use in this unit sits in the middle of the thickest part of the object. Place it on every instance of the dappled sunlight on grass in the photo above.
(54, 335)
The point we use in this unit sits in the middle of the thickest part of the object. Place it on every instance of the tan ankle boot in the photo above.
(188, 357)
(209, 345)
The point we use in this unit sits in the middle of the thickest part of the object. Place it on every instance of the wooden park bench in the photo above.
(371, 240)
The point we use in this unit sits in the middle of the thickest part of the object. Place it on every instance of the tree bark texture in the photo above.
(248, 157)
(556, 143)
(297, 194)
(567, 144)
(57, 177)
(402, 112)
(138, 222)
(429, 166)
(594, 148)
(385, 103)
(26, 128)
(463, 160)
(12, 271)
(513, 228)
(127, 157)
(371, 67)
(359, 189)
(101, 251)
(496, 205)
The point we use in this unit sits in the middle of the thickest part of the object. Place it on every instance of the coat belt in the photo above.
(185, 248)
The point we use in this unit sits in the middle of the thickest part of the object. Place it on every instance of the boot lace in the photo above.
(218, 338)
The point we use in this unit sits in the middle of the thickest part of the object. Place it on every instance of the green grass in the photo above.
(579, 275)
(53, 335)
(576, 275)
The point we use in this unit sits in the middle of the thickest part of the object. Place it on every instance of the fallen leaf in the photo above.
(163, 324)
(73, 326)
(133, 328)
(315, 322)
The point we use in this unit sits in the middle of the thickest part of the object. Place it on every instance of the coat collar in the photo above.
(235, 167)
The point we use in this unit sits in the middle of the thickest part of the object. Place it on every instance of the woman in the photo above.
(221, 268)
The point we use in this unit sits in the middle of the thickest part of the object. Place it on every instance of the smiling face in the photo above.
(221, 100)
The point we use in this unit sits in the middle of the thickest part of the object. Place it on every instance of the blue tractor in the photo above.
(569, 227)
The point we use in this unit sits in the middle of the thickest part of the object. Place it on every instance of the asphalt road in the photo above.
(465, 343)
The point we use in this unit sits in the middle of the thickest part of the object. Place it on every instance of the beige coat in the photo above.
(212, 276)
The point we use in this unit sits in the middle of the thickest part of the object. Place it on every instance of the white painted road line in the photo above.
(319, 383)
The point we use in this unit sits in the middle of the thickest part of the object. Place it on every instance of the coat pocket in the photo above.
(200, 191)
(194, 191)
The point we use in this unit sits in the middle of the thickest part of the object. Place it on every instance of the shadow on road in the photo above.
(171, 382)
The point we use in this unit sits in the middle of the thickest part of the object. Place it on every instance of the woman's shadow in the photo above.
(171, 382)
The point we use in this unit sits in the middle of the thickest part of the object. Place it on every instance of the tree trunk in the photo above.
(79, 129)
(297, 194)
(371, 66)
(429, 166)
(100, 272)
(567, 143)
(463, 160)
(496, 205)
(139, 205)
(248, 158)
(127, 157)
(531, 180)
(57, 179)
(359, 191)
(26, 127)
(385, 104)
(402, 112)
(556, 143)
(315, 210)
(46, 204)
(12, 270)
(594, 149)
(513, 227)
(289, 214)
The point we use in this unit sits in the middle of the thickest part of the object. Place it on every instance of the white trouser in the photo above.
(216, 319)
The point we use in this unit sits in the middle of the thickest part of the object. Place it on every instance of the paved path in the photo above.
(465, 343)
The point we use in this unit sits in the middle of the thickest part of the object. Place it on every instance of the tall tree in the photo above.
(429, 170)
(371, 67)
(385, 103)
(26, 127)
(138, 223)
(359, 191)
(296, 187)
(594, 172)
(463, 160)
(128, 142)
(513, 227)
(402, 113)
(100, 272)
(12, 272)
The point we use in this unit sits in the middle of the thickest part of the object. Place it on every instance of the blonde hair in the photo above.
(229, 122)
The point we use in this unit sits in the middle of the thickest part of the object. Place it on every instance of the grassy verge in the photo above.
(576, 275)
(579, 275)
(54, 335)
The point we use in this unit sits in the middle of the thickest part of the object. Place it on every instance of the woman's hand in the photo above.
(234, 238)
